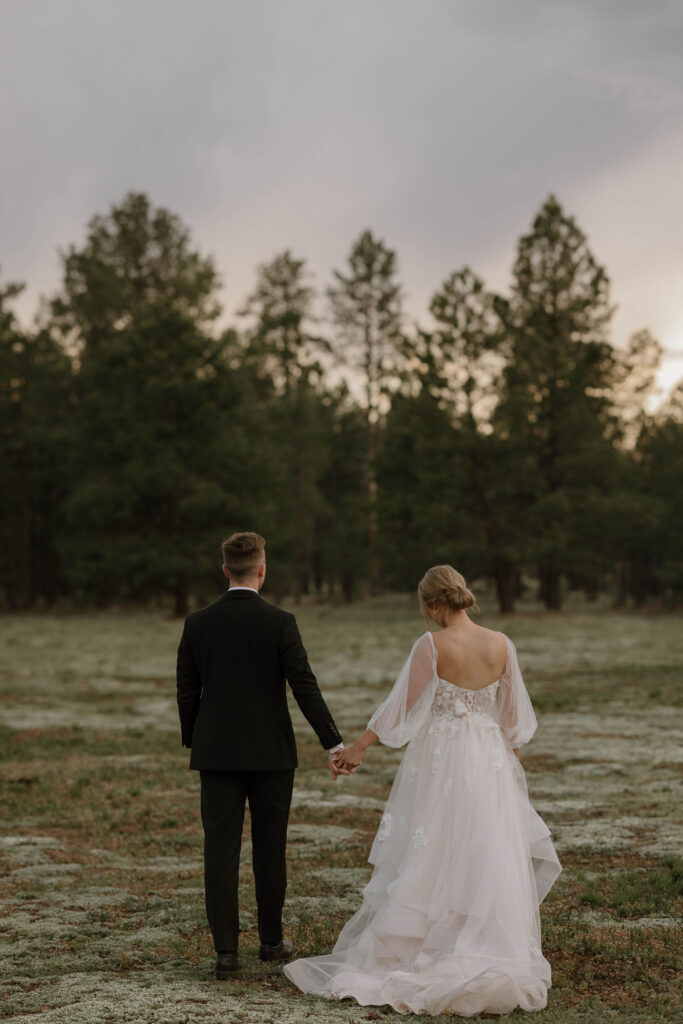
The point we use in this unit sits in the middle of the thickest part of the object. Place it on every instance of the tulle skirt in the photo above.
(449, 921)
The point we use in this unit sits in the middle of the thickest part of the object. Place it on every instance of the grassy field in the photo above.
(101, 846)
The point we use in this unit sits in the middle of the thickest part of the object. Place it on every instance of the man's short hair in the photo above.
(243, 553)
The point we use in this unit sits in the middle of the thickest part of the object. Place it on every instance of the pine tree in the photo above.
(650, 526)
(342, 548)
(422, 515)
(366, 308)
(466, 358)
(35, 419)
(278, 342)
(556, 388)
(159, 447)
(285, 355)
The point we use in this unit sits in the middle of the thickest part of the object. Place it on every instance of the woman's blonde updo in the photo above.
(444, 586)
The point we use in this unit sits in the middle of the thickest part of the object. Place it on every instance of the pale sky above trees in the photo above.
(442, 125)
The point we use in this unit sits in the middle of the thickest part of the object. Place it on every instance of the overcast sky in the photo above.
(442, 125)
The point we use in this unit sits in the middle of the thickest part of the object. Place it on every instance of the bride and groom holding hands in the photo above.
(449, 921)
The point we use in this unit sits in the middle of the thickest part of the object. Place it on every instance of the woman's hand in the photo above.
(335, 767)
(352, 757)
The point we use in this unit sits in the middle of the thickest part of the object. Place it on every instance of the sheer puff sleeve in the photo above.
(404, 712)
(517, 718)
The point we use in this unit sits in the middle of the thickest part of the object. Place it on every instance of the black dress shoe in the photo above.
(282, 951)
(226, 965)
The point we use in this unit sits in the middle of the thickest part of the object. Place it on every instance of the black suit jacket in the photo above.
(233, 660)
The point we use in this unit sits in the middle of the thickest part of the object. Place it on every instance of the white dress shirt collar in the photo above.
(243, 588)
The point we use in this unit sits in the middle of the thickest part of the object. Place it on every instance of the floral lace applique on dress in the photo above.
(436, 754)
(454, 703)
(419, 838)
(385, 826)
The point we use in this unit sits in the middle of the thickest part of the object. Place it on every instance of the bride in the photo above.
(449, 921)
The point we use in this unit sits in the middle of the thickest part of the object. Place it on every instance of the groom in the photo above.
(233, 659)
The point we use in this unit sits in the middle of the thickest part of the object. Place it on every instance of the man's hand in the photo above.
(335, 767)
(350, 758)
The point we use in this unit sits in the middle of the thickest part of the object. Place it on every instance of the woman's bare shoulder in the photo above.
(481, 636)
(494, 640)
(436, 637)
(493, 635)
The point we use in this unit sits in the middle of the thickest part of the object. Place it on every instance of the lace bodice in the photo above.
(453, 702)
(453, 707)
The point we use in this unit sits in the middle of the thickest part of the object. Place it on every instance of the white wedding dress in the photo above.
(449, 921)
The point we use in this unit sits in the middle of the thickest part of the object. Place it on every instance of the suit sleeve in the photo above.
(188, 687)
(294, 664)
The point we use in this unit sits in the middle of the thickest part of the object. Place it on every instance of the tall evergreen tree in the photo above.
(366, 308)
(425, 516)
(342, 549)
(556, 383)
(134, 257)
(650, 528)
(635, 383)
(285, 355)
(465, 355)
(636, 512)
(160, 447)
(35, 407)
(278, 342)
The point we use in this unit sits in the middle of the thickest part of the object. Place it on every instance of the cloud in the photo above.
(440, 124)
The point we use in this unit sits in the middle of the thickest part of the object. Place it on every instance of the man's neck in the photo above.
(245, 585)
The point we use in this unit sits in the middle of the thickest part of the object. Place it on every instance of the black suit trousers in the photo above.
(223, 798)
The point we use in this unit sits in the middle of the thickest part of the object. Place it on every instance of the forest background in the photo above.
(515, 440)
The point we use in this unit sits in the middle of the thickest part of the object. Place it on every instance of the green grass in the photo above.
(102, 916)
(639, 892)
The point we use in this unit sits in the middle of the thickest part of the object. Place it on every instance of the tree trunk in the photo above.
(620, 588)
(549, 587)
(639, 579)
(502, 572)
(28, 598)
(303, 488)
(504, 585)
(180, 599)
(518, 586)
(373, 557)
(348, 585)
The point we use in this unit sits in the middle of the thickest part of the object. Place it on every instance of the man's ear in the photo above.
(226, 572)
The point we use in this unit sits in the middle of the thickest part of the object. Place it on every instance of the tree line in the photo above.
(513, 439)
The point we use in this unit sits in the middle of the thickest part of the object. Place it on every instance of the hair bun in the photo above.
(458, 596)
(442, 584)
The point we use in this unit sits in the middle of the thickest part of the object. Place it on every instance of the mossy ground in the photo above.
(101, 845)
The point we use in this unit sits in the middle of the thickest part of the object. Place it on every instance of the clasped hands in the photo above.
(346, 760)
